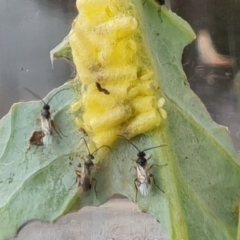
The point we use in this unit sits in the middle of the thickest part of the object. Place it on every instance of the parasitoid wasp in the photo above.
(44, 137)
(143, 181)
(84, 176)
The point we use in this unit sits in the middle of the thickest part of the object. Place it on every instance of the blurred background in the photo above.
(29, 29)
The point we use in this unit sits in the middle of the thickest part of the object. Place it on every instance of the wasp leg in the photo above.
(136, 180)
(36, 149)
(54, 127)
(29, 147)
(95, 185)
(78, 173)
(97, 165)
(57, 129)
(149, 158)
(60, 130)
(151, 176)
(132, 168)
(83, 131)
(156, 165)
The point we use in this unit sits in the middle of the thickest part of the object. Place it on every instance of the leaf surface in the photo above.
(202, 178)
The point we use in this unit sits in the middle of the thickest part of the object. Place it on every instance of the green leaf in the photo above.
(202, 178)
(34, 184)
(62, 50)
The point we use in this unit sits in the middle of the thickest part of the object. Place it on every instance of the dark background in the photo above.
(29, 29)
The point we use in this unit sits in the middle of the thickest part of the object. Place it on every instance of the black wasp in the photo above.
(44, 137)
(84, 176)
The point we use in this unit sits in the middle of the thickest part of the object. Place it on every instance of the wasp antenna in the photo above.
(129, 142)
(100, 148)
(56, 94)
(154, 147)
(34, 94)
(86, 145)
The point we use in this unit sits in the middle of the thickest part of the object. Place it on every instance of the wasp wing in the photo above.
(47, 130)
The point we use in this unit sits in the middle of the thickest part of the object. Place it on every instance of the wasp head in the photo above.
(141, 159)
(141, 154)
(89, 162)
(45, 112)
(46, 107)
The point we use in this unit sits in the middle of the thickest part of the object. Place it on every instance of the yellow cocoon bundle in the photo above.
(120, 92)
(113, 73)
(109, 119)
(141, 123)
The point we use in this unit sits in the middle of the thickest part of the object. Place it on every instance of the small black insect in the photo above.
(143, 181)
(100, 89)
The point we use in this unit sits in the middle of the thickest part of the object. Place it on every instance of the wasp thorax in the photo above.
(89, 162)
(46, 114)
(142, 160)
(90, 157)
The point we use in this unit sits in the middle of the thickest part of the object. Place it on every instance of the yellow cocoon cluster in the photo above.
(119, 92)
